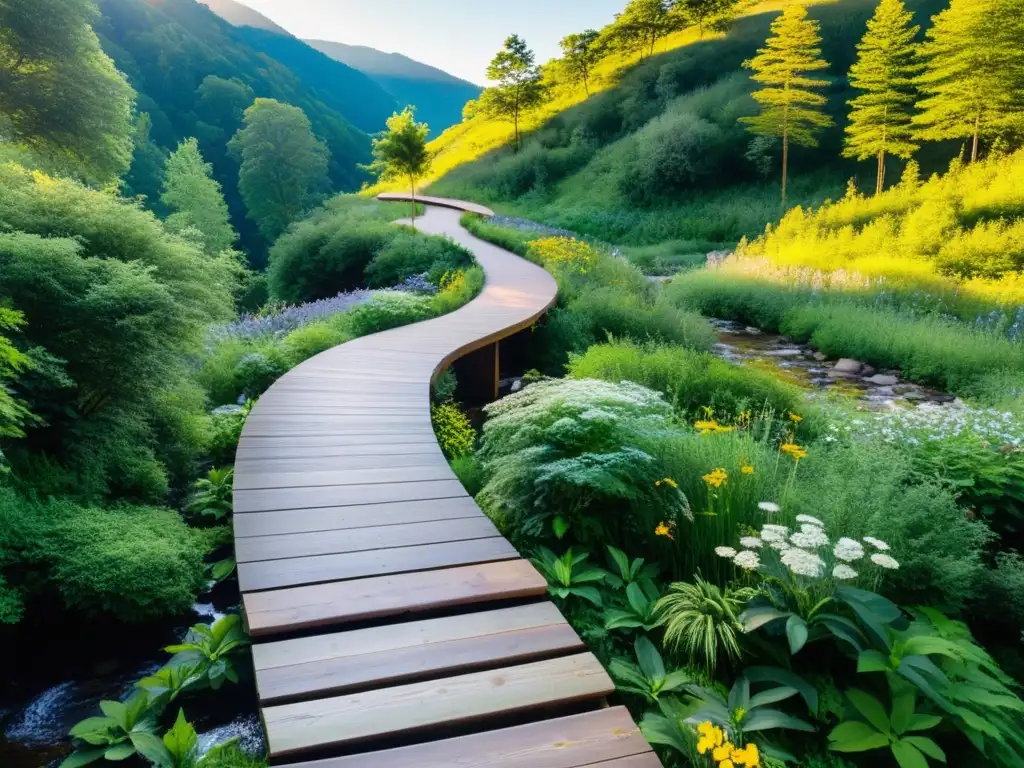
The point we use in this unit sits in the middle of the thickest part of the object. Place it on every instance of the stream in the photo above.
(55, 675)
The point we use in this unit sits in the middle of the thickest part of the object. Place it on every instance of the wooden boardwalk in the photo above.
(393, 626)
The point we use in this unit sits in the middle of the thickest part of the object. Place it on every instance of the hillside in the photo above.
(195, 74)
(242, 15)
(438, 96)
(657, 153)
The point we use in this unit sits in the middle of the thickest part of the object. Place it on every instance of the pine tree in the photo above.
(196, 199)
(975, 77)
(884, 72)
(790, 110)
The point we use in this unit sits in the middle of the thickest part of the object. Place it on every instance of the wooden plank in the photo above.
(356, 516)
(275, 574)
(333, 664)
(281, 610)
(565, 742)
(251, 549)
(254, 453)
(346, 495)
(323, 463)
(253, 480)
(295, 728)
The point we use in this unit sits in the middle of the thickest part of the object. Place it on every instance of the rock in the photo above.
(846, 365)
(834, 374)
(752, 331)
(913, 395)
(882, 380)
(783, 353)
(517, 385)
(819, 356)
(867, 370)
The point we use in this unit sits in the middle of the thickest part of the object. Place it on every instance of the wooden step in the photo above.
(606, 738)
(257, 478)
(344, 495)
(298, 571)
(387, 712)
(336, 663)
(337, 603)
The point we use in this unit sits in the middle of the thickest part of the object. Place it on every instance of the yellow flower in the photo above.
(710, 737)
(749, 756)
(705, 426)
(747, 470)
(670, 482)
(744, 419)
(723, 428)
(794, 418)
(723, 752)
(706, 728)
(716, 478)
(793, 450)
(726, 764)
(664, 529)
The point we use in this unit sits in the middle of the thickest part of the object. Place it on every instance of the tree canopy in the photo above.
(519, 83)
(60, 94)
(401, 151)
(196, 199)
(580, 52)
(283, 165)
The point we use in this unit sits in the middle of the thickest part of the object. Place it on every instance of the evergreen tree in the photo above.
(790, 110)
(282, 164)
(884, 72)
(196, 199)
(519, 87)
(401, 151)
(580, 53)
(975, 77)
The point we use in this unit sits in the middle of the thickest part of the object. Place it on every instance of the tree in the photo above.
(519, 87)
(580, 53)
(643, 23)
(790, 110)
(401, 151)
(705, 13)
(196, 199)
(12, 361)
(59, 92)
(282, 164)
(884, 73)
(975, 76)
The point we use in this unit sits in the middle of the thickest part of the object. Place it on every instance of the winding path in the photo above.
(393, 626)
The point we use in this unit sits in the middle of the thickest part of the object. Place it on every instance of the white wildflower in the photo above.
(885, 561)
(751, 542)
(876, 543)
(768, 506)
(725, 552)
(809, 519)
(781, 546)
(747, 560)
(843, 572)
(811, 537)
(848, 550)
(803, 563)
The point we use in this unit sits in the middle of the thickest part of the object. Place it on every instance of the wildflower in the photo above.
(809, 537)
(711, 737)
(848, 550)
(751, 542)
(722, 753)
(747, 560)
(705, 426)
(809, 519)
(794, 418)
(725, 552)
(885, 561)
(743, 420)
(793, 450)
(779, 546)
(665, 530)
(716, 478)
(772, 533)
(768, 506)
(876, 543)
(803, 563)
(749, 756)
(843, 572)
(747, 470)
(669, 482)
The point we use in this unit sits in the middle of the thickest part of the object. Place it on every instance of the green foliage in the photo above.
(283, 164)
(445, 386)
(213, 649)
(59, 93)
(226, 429)
(638, 609)
(470, 472)
(579, 54)
(642, 23)
(455, 434)
(389, 309)
(519, 83)
(196, 199)
(790, 110)
(212, 495)
(897, 731)
(12, 361)
(170, 681)
(255, 372)
(648, 677)
(702, 621)
(406, 254)
(124, 730)
(569, 575)
(400, 152)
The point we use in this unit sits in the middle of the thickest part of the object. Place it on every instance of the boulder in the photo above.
(882, 380)
(752, 331)
(846, 365)
(819, 356)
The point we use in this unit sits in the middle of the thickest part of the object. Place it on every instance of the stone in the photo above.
(783, 353)
(846, 365)
(913, 395)
(752, 331)
(517, 385)
(882, 380)
(820, 356)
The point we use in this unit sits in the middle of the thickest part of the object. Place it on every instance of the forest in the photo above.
(767, 449)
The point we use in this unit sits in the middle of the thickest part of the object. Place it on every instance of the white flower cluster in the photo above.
(913, 426)
(800, 551)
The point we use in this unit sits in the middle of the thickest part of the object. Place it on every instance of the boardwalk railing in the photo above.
(393, 625)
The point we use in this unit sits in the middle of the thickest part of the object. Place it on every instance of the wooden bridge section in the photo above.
(393, 626)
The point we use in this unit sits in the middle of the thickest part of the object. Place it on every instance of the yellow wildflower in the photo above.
(747, 470)
(723, 428)
(723, 752)
(704, 426)
(793, 450)
(665, 529)
(716, 477)
(794, 418)
(744, 419)
(670, 482)
(727, 763)
(749, 756)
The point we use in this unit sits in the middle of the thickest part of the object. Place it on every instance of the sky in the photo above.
(458, 36)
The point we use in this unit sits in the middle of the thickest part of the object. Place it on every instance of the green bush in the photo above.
(411, 253)
(470, 472)
(303, 343)
(388, 309)
(255, 373)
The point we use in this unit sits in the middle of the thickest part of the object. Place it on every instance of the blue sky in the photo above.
(459, 36)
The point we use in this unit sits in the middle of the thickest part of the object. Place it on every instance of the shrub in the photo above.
(470, 472)
(255, 372)
(389, 309)
(411, 253)
(457, 289)
(303, 343)
(455, 434)
(310, 262)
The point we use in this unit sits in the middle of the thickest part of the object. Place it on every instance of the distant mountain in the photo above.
(242, 15)
(438, 96)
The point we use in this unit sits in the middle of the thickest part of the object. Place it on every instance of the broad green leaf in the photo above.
(739, 694)
(843, 628)
(907, 755)
(590, 594)
(560, 526)
(120, 751)
(871, 708)
(772, 696)
(767, 719)
(82, 757)
(886, 610)
(676, 679)
(589, 574)
(787, 678)
(755, 618)
(929, 747)
(616, 619)
(855, 736)
(152, 748)
(903, 710)
(796, 632)
(93, 726)
(180, 740)
(926, 645)
(649, 659)
(621, 561)
(117, 712)
(636, 599)
(872, 661)
(922, 723)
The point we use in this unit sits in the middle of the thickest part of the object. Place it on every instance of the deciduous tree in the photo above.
(642, 24)
(519, 83)
(707, 13)
(884, 73)
(790, 109)
(401, 151)
(974, 82)
(580, 52)
(60, 94)
(196, 199)
(282, 164)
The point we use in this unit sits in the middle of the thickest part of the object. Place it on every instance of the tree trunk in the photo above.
(880, 181)
(515, 122)
(785, 164)
(412, 184)
(977, 132)
(586, 84)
